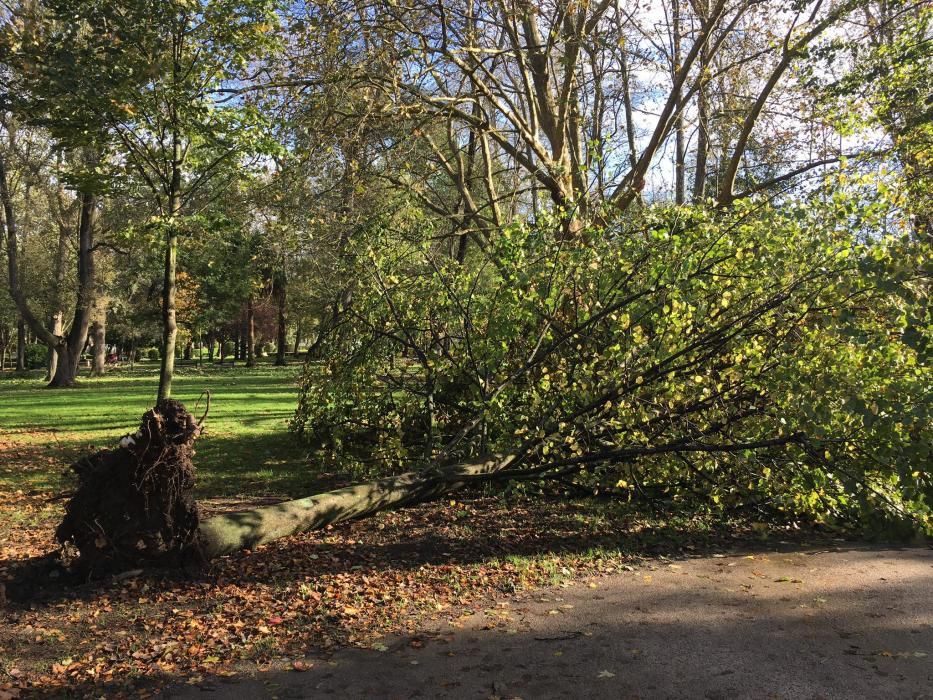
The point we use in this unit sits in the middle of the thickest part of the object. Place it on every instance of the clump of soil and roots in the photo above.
(134, 504)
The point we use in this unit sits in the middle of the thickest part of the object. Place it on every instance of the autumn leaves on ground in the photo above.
(349, 585)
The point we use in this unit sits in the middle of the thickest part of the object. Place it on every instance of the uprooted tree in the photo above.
(755, 357)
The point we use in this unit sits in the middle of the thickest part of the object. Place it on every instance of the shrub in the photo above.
(37, 356)
(153, 354)
(228, 349)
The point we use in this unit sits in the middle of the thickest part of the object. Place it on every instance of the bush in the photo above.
(228, 349)
(153, 354)
(750, 358)
(267, 349)
(37, 356)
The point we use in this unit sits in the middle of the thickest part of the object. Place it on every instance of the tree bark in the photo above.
(279, 291)
(297, 347)
(250, 334)
(223, 534)
(20, 345)
(58, 314)
(679, 136)
(169, 325)
(55, 323)
(703, 122)
(98, 336)
(789, 53)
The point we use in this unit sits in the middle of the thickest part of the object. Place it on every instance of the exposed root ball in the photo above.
(133, 504)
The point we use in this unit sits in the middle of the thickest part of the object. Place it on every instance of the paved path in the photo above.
(849, 623)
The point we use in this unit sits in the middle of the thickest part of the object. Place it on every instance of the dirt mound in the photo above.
(134, 504)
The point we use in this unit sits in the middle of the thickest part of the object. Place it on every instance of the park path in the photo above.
(847, 622)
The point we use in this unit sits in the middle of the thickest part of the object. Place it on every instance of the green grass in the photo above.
(246, 449)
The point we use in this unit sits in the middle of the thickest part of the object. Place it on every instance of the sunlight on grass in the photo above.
(246, 447)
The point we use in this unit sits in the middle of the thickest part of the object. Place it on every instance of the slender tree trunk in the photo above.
(250, 334)
(58, 315)
(279, 291)
(169, 325)
(210, 347)
(297, 347)
(679, 138)
(20, 344)
(699, 177)
(98, 335)
(55, 323)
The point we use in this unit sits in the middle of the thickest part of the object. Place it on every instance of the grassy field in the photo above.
(246, 449)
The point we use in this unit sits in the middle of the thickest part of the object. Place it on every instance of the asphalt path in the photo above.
(845, 622)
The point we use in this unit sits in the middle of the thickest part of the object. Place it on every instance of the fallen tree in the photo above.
(690, 378)
(134, 503)
(134, 506)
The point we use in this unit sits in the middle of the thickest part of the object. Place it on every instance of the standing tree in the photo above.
(149, 78)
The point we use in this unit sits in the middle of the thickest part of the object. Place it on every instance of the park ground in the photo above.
(440, 597)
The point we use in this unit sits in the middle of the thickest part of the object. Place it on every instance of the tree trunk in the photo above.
(223, 534)
(56, 326)
(66, 371)
(61, 258)
(20, 345)
(679, 136)
(279, 291)
(297, 347)
(250, 334)
(703, 122)
(169, 326)
(98, 335)
(69, 348)
(210, 348)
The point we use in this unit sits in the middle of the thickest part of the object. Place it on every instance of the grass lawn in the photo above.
(246, 449)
